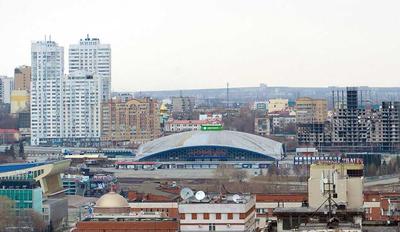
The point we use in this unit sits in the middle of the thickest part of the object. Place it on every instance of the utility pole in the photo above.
(227, 95)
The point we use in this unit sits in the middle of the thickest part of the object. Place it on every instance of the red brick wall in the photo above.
(296, 197)
(148, 226)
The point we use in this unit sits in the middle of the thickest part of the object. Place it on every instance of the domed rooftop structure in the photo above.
(211, 145)
(111, 203)
(111, 200)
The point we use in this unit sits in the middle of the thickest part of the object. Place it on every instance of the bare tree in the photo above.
(239, 175)
(38, 223)
(7, 213)
(222, 175)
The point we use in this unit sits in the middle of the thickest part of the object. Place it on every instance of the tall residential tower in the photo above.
(92, 56)
(81, 109)
(47, 71)
(6, 86)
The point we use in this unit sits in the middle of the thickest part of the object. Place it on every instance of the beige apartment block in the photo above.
(134, 121)
(22, 78)
(310, 110)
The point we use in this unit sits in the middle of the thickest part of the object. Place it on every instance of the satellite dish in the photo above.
(236, 198)
(200, 195)
(186, 193)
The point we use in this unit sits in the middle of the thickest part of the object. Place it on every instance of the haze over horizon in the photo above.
(165, 45)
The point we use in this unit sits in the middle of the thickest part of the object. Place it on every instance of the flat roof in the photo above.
(217, 198)
(308, 210)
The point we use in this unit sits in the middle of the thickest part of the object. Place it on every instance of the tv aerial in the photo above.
(236, 198)
(200, 195)
(186, 193)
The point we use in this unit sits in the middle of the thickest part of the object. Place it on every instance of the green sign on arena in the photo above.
(211, 127)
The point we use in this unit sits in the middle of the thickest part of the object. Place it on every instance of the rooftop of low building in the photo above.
(218, 198)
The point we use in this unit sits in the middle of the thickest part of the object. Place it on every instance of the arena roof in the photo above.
(19, 166)
(223, 138)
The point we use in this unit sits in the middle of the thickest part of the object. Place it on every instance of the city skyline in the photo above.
(194, 46)
(183, 115)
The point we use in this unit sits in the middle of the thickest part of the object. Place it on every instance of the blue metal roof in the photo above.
(15, 167)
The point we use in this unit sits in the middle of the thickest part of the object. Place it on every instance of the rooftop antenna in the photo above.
(328, 181)
(236, 198)
(186, 193)
(200, 195)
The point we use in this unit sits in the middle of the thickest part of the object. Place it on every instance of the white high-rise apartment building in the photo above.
(6, 86)
(47, 72)
(90, 55)
(81, 108)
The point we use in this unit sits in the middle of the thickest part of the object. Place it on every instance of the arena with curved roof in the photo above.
(211, 146)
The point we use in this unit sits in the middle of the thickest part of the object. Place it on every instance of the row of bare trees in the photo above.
(385, 168)
(12, 219)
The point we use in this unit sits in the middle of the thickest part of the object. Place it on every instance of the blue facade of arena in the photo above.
(207, 153)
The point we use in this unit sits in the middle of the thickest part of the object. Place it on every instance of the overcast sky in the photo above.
(204, 44)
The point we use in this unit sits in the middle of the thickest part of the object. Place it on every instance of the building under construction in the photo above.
(351, 120)
(356, 125)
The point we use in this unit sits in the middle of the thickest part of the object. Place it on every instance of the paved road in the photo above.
(384, 181)
(209, 174)
(162, 173)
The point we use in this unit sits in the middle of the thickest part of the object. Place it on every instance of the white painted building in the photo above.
(218, 213)
(81, 107)
(176, 126)
(6, 86)
(92, 56)
(210, 117)
(47, 60)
